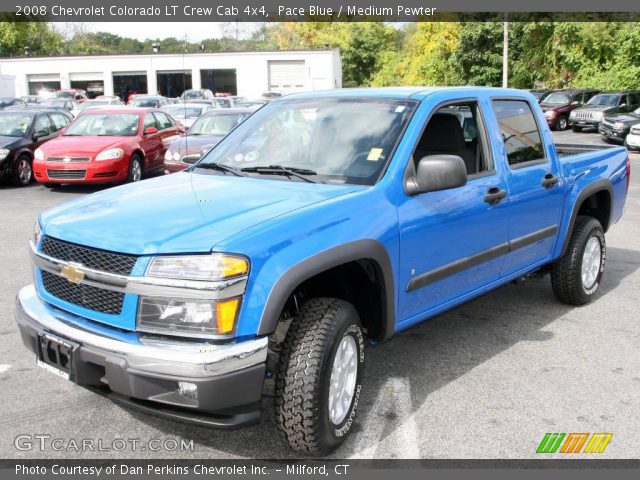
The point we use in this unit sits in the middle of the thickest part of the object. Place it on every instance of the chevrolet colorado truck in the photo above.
(324, 222)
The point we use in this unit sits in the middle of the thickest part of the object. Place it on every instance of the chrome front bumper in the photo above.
(147, 367)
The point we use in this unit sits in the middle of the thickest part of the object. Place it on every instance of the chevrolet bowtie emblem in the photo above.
(72, 273)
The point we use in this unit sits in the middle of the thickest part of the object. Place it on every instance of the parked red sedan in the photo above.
(107, 145)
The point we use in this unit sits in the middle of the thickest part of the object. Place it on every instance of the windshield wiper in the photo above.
(222, 168)
(300, 173)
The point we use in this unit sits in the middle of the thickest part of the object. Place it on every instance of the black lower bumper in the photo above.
(226, 399)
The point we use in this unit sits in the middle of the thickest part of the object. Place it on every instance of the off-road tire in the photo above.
(566, 278)
(304, 373)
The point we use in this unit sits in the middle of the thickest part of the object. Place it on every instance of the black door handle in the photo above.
(494, 195)
(549, 180)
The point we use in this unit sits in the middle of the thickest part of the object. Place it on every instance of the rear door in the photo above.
(535, 193)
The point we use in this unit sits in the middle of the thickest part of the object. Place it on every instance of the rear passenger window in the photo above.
(519, 130)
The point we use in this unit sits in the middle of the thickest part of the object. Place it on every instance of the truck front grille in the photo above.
(110, 262)
(584, 115)
(86, 296)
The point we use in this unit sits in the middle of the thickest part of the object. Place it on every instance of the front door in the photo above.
(452, 242)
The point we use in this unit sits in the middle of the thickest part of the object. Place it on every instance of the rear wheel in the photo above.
(319, 376)
(576, 276)
(576, 129)
(22, 173)
(135, 169)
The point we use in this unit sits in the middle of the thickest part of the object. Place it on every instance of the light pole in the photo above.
(505, 52)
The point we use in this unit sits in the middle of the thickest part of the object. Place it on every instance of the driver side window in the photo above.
(456, 129)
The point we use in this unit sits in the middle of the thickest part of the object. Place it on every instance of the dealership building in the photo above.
(238, 73)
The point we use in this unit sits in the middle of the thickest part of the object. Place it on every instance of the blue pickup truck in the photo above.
(325, 222)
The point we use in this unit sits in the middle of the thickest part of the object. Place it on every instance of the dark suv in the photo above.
(560, 103)
(605, 103)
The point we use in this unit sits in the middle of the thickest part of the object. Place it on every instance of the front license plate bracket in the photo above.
(55, 355)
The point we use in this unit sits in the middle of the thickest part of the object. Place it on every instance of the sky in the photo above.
(195, 31)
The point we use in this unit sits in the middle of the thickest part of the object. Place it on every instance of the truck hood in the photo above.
(194, 143)
(596, 108)
(86, 146)
(9, 142)
(179, 213)
(626, 118)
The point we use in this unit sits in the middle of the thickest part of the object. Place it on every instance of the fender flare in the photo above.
(589, 190)
(321, 262)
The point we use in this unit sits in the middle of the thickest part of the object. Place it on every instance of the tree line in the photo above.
(602, 55)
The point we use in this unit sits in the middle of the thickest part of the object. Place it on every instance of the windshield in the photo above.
(557, 98)
(15, 124)
(63, 95)
(192, 94)
(105, 124)
(608, 100)
(337, 140)
(183, 112)
(216, 124)
(146, 102)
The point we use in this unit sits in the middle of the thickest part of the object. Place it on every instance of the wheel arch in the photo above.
(370, 251)
(595, 200)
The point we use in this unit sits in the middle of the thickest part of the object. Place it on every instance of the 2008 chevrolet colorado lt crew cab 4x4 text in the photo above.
(323, 221)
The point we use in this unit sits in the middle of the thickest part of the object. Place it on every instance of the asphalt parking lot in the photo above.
(486, 380)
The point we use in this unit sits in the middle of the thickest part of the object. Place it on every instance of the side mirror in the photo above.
(150, 130)
(622, 105)
(39, 134)
(437, 172)
(575, 102)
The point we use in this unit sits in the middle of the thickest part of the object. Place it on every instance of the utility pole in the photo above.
(505, 52)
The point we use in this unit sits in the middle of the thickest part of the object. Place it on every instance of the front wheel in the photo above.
(22, 173)
(576, 276)
(562, 122)
(319, 376)
(135, 169)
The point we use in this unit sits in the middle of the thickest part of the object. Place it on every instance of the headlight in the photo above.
(39, 154)
(37, 232)
(619, 126)
(111, 154)
(598, 116)
(3, 153)
(549, 113)
(198, 267)
(187, 317)
(572, 115)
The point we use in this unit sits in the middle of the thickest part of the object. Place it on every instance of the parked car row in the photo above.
(107, 142)
(614, 114)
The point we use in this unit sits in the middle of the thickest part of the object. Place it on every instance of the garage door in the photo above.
(286, 76)
(86, 77)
